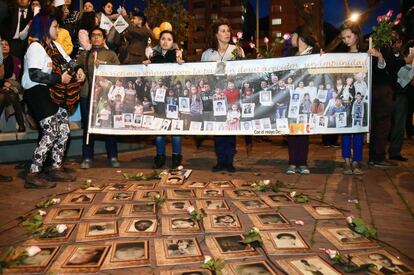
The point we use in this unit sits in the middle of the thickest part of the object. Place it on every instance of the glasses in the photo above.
(97, 35)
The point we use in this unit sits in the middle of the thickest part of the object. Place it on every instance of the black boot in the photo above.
(176, 160)
(35, 180)
(159, 161)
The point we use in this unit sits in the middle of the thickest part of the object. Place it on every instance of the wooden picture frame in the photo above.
(104, 211)
(175, 207)
(324, 212)
(94, 231)
(276, 200)
(172, 180)
(173, 251)
(180, 194)
(143, 185)
(119, 197)
(180, 225)
(127, 254)
(139, 227)
(241, 194)
(118, 187)
(139, 209)
(213, 206)
(251, 267)
(94, 188)
(64, 215)
(383, 261)
(222, 222)
(147, 195)
(344, 238)
(243, 184)
(210, 193)
(195, 184)
(64, 237)
(269, 221)
(254, 205)
(78, 199)
(186, 271)
(285, 242)
(300, 265)
(229, 247)
(221, 184)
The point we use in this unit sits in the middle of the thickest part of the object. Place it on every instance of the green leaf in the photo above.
(126, 176)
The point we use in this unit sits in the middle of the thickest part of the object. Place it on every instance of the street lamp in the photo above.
(354, 16)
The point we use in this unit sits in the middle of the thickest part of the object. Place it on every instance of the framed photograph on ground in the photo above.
(34, 264)
(78, 199)
(119, 197)
(344, 238)
(224, 184)
(284, 242)
(127, 254)
(188, 271)
(180, 194)
(323, 212)
(144, 185)
(384, 262)
(276, 200)
(243, 184)
(172, 180)
(147, 195)
(213, 206)
(63, 215)
(240, 194)
(139, 209)
(102, 211)
(173, 251)
(138, 227)
(222, 222)
(210, 193)
(92, 231)
(229, 247)
(195, 184)
(252, 205)
(55, 239)
(119, 186)
(250, 267)
(179, 225)
(269, 220)
(94, 188)
(307, 265)
(175, 207)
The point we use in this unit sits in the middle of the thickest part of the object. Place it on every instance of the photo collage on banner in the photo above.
(294, 95)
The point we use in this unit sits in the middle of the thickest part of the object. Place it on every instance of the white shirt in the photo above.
(213, 55)
(115, 90)
(37, 58)
(17, 33)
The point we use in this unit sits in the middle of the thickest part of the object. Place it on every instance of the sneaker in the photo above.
(218, 167)
(36, 181)
(356, 168)
(230, 168)
(385, 164)
(60, 175)
(347, 168)
(114, 163)
(291, 170)
(86, 164)
(303, 170)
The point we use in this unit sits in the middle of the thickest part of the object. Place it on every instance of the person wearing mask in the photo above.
(97, 55)
(42, 72)
(221, 50)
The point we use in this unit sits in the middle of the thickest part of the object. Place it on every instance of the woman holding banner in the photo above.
(221, 50)
(304, 43)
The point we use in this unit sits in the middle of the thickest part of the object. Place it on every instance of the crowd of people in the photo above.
(50, 51)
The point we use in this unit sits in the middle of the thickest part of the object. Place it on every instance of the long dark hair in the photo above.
(212, 39)
(307, 36)
(40, 27)
(355, 29)
(87, 21)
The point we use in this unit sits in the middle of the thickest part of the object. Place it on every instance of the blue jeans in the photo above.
(354, 141)
(87, 149)
(176, 145)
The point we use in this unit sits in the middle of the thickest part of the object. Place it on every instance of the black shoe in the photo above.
(60, 175)
(35, 180)
(159, 161)
(230, 168)
(218, 167)
(399, 158)
(176, 160)
(5, 178)
(385, 164)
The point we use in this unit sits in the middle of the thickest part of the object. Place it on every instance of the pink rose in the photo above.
(332, 253)
(397, 21)
(252, 45)
(286, 36)
(33, 250)
(390, 13)
(207, 259)
(266, 40)
(349, 219)
(399, 16)
(239, 35)
(190, 209)
(234, 39)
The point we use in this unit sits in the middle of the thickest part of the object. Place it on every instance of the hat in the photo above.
(58, 3)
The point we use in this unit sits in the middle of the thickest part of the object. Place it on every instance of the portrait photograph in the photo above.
(257, 124)
(188, 271)
(127, 254)
(208, 126)
(384, 262)
(34, 264)
(241, 194)
(307, 265)
(340, 119)
(195, 126)
(357, 122)
(282, 125)
(138, 227)
(123, 196)
(172, 251)
(252, 205)
(166, 124)
(322, 94)
(246, 126)
(229, 247)
(266, 123)
(101, 211)
(119, 186)
(147, 195)
(143, 185)
(184, 104)
(269, 220)
(265, 98)
(196, 184)
(86, 256)
(219, 107)
(139, 209)
(128, 119)
(179, 225)
(177, 125)
(344, 238)
(293, 111)
(220, 68)
(221, 184)
(222, 222)
(323, 122)
(147, 121)
(220, 126)
(248, 110)
(175, 207)
(302, 119)
(91, 231)
(323, 212)
(177, 194)
(172, 111)
(172, 180)
(61, 215)
(156, 123)
(78, 198)
(118, 121)
(213, 206)
(250, 267)
(160, 95)
(138, 121)
(209, 193)
(277, 199)
(284, 242)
